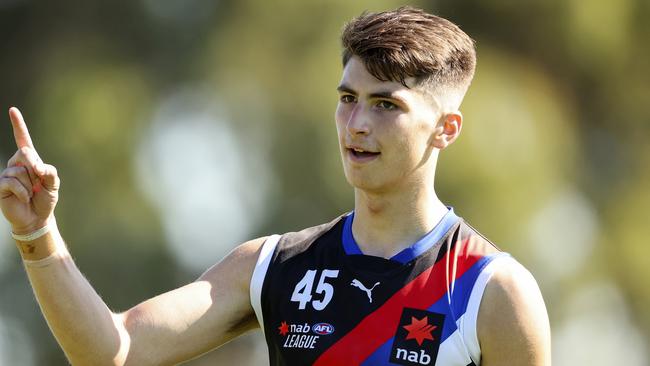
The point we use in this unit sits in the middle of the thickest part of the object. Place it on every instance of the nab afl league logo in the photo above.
(417, 338)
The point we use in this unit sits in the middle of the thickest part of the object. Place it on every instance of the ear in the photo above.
(447, 130)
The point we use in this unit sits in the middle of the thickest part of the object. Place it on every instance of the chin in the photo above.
(364, 182)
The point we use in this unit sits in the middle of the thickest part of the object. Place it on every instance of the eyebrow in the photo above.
(376, 95)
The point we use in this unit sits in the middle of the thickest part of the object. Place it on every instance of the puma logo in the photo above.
(358, 284)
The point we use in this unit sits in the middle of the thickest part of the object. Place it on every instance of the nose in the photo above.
(358, 121)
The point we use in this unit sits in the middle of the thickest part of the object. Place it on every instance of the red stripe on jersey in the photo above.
(379, 326)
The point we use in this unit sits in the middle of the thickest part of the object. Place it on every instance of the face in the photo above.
(386, 131)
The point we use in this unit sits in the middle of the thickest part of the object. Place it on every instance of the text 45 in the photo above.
(302, 293)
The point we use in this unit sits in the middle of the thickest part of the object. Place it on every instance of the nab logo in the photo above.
(323, 329)
(417, 338)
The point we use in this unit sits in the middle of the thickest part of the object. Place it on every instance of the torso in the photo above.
(325, 303)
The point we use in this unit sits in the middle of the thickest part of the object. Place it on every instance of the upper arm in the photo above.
(191, 320)
(513, 327)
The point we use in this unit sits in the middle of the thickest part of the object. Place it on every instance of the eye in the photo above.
(347, 98)
(386, 105)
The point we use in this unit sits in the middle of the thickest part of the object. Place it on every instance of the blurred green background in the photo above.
(182, 128)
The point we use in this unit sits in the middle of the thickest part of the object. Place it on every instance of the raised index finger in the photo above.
(20, 129)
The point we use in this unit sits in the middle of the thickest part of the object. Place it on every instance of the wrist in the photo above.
(33, 235)
(31, 228)
(43, 243)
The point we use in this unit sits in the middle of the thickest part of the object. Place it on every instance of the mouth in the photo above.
(361, 155)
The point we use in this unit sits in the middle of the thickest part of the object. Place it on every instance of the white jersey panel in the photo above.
(257, 280)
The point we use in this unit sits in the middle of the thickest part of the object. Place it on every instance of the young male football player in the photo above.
(401, 280)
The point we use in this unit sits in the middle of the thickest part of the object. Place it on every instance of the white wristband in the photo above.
(33, 235)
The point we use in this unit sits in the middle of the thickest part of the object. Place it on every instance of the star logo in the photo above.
(283, 328)
(419, 329)
(417, 337)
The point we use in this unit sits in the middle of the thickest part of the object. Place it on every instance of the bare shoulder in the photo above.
(238, 265)
(513, 326)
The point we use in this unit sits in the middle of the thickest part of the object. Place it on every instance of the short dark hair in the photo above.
(409, 42)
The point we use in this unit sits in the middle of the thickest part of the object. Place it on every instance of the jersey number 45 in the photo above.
(302, 293)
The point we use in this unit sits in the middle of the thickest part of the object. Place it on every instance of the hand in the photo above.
(29, 189)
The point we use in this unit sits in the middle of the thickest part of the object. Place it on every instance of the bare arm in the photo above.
(513, 327)
(166, 329)
(196, 318)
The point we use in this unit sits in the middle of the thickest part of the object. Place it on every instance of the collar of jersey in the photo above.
(351, 247)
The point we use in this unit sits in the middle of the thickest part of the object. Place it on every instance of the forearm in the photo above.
(81, 322)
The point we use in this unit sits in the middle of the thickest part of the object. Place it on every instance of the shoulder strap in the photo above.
(259, 274)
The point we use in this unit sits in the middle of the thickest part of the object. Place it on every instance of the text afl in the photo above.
(323, 328)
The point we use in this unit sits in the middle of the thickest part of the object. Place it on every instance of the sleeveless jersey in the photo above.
(320, 301)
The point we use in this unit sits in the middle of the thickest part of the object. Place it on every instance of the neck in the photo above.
(387, 222)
